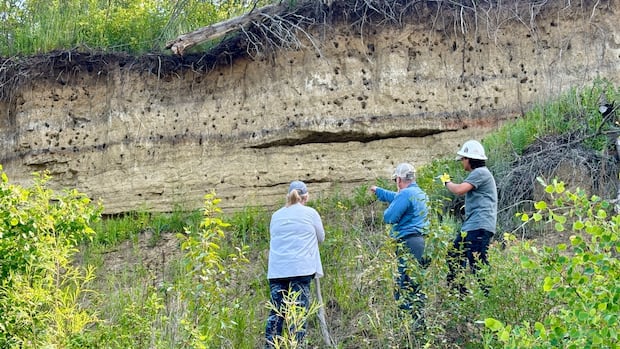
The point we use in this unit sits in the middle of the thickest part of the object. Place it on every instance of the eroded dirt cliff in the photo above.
(158, 131)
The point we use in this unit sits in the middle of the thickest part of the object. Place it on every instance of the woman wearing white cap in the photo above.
(480, 193)
(407, 212)
(294, 260)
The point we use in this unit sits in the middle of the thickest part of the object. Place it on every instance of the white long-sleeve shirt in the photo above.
(296, 232)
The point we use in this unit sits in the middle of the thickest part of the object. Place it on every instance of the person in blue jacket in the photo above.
(407, 213)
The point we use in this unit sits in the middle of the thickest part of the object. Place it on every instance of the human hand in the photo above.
(373, 188)
(445, 178)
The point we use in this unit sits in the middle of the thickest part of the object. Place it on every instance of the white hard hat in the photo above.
(471, 150)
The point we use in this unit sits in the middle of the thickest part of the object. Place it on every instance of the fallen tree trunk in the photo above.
(185, 41)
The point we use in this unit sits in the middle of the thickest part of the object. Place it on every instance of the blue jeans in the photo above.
(280, 289)
(408, 294)
(471, 248)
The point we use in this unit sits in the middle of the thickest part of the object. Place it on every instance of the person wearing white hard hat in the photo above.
(408, 214)
(480, 221)
(295, 230)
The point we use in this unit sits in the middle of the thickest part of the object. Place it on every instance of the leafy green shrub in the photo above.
(40, 288)
(580, 280)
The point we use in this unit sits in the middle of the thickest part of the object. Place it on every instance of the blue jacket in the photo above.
(407, 211)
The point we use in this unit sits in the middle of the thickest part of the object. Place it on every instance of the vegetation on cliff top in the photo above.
(32, 27)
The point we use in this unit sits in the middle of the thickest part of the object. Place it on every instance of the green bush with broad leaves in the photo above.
(208, 292)
(580, 279)
(40, 286)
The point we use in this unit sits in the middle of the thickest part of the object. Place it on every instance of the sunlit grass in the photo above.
(33, 27)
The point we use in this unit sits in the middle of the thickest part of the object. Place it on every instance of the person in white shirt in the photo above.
(294, 259)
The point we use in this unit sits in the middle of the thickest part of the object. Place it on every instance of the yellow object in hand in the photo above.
(445, 178)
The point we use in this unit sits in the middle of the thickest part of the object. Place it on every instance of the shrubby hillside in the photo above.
(197, 279)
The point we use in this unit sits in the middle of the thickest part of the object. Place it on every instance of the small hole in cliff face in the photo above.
(364, 105)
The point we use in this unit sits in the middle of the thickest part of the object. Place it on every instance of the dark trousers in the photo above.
(410, 252)
(280, 289)
(471, 248)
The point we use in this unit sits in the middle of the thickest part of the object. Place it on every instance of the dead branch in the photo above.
(185, 41)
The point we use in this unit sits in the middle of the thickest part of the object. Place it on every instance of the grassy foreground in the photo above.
(230, 294)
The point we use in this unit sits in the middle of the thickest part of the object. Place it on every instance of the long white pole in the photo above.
(322, 321)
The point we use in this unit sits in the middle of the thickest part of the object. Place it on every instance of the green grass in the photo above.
(134, 26)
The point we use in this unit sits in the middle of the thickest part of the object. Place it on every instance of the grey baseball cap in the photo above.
(299, 186)
(404, 170)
